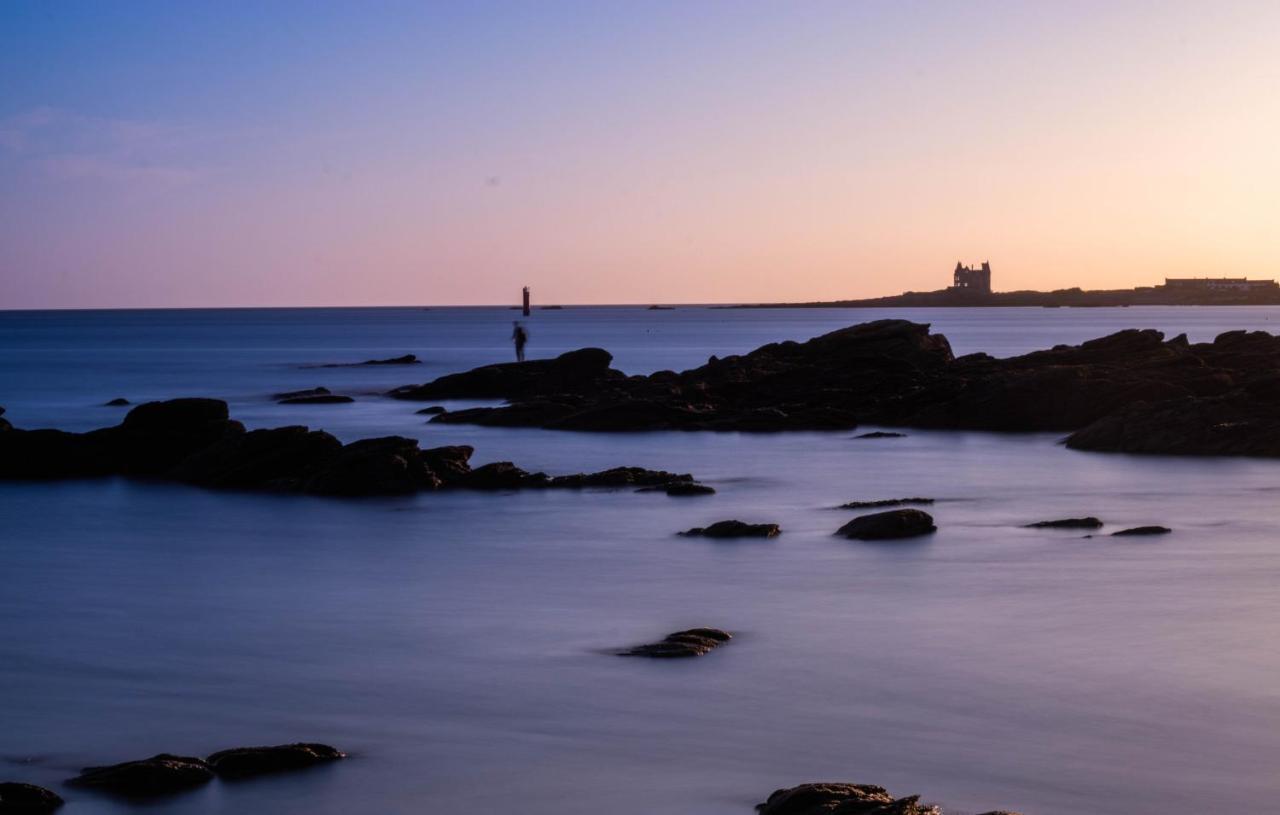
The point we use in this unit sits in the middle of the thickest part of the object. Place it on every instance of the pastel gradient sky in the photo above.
(276, 153)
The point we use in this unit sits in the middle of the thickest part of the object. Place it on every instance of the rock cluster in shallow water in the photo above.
(196, 442)
(691, 643)
(1132, 391)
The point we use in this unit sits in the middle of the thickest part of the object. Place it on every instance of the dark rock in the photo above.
(247, 761)
(841, 799)
(159, 775)
(896, 523)
(1067, 523)
(320, 399)
(691, 643)
(156, 436)
(277, 458)
(27, 799)
(502, 475)
(734, 529)
(1130, 391)
(389, 465)
(434, 410)
(886, 502)
(512, 379)
(4, 423)
(450, 464)
(208, 449)
(881, 434)
(119, 401)
(301, 394)
(1143, 530)
(622, 477)
(407, 359)
(686, 488)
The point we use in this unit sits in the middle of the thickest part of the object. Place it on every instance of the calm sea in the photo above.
(455, 643)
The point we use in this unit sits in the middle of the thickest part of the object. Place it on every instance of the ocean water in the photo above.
(457, 644)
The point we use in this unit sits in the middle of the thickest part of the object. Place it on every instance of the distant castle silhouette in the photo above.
(978, 280)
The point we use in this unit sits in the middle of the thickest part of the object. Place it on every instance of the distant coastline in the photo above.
(972, 289)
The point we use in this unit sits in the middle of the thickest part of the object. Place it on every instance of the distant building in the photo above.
(1219, 284)
(978, 280)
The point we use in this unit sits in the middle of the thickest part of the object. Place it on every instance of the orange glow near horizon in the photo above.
(674, 155)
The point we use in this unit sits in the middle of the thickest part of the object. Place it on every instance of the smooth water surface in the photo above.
(457, 644)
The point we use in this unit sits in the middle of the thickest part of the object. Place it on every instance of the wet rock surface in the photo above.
(881, 434)
(27, 799)
(162, 774)
(734, 529)
(1130, 391)
(196, 442)
(891, 525)
(242, 762)
(1068, 523)
(693, 642)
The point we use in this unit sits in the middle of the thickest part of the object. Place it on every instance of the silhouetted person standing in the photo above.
(519, 336)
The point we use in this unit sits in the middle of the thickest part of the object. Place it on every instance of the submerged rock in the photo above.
(300, 394)
(241, 762)
(623, 477)
(1143, 530)
(407, 359)
(434, 410)
(162, 774)
(896, 523)
(686, 488)
(881, 434)
(325, 399)
(119, 401)
(734, 529)
(1068, 523)
(885, 502)
(691, 643)
(27, 799)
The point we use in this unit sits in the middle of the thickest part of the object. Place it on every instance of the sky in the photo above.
(159, 154)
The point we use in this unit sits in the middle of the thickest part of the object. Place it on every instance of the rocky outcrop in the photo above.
(508, 380)
(407, 359)
(195, 442)
(1068, 523)
(27, 799)
(434, 410)
(163, 774)
(884, 502)
(623, 477)
(881, 434)
(691, 643)
(1142, 530)
(1132, 391)
(684, 489)
(242, 762)
(119, 401)
(846, 799)
(311, 396)
(734, 529)
(891, 525)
